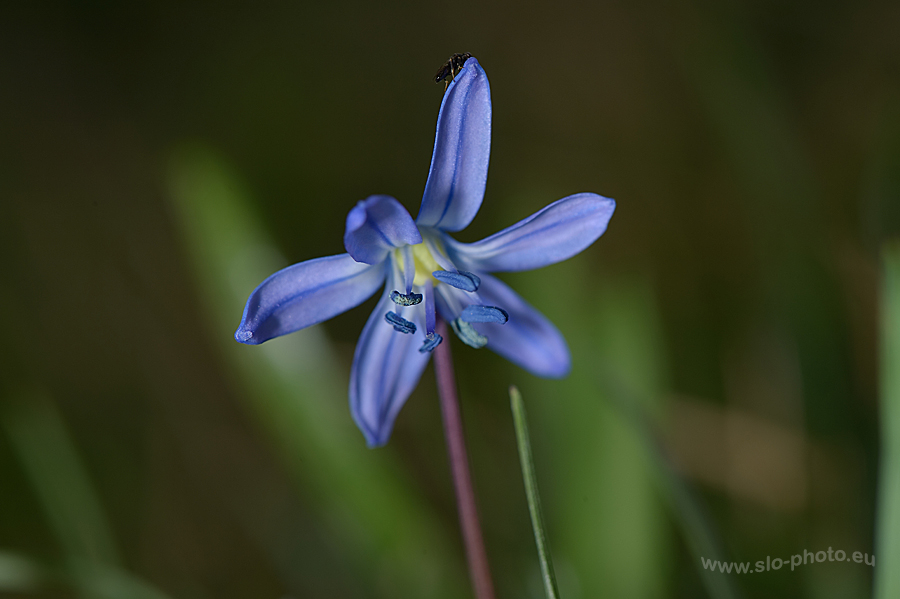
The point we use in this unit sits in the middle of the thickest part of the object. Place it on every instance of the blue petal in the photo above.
(305, 294)
(377, 225)
(386, 368)
(555, 233)
(528, 339)
(462, 147)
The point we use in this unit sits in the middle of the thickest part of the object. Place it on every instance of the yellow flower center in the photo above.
(424, 263)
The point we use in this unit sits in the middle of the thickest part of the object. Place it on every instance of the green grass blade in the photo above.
(698, 532)
(59, 478)
(18, 574)
(531, 492)
(887, 579)
(50, 459)
(604, 487)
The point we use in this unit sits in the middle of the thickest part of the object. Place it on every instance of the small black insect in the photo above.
(451, 68)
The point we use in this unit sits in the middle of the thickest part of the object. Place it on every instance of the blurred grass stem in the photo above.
(887, 580)
(531, 492)
(459, 468)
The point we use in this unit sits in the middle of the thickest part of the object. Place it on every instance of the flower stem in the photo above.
(459, 467)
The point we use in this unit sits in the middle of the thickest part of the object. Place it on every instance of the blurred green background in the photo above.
(158, 160)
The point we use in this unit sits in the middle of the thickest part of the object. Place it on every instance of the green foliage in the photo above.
(529, 477)
(91, 565)
(888, 531)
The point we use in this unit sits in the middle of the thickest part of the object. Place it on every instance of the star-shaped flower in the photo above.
(426, 271)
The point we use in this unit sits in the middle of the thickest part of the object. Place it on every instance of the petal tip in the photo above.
(608, 202)
(244, 335)
(605, 205)
(356, 217)
(375, 437)
(594, 200)
(473, 62)
(377, 225)
(560, 372)
(374, 442)
(556, 367)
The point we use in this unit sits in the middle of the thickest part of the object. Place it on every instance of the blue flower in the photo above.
(424, 270)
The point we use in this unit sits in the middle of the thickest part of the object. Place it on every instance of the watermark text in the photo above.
(776, 563)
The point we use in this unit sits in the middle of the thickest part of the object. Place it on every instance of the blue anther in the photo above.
(466, 281)
(431, 342)
(399, 323)
(467, 334)
(475, 313)
(408, 299)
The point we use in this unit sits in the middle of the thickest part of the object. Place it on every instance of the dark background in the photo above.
(157, 160)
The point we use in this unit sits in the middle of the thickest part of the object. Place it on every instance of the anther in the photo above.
(407, 299)
(475, 313)
(467, 334)
(431, 342)
(466, 281)
(399, 323)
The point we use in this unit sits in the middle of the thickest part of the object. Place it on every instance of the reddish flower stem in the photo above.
(459, 467)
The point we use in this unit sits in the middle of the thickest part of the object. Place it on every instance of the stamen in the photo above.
(466, 281)
(407, 299)
(399, 323)
(431, 341)
(429, 308)
(467, 334)
(475, 313)
(409, 268)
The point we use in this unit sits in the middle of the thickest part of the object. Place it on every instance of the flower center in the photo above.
(424, 264)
